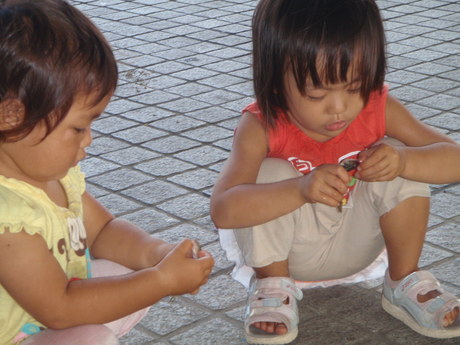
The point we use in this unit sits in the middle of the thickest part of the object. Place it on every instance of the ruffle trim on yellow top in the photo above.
(28, 208)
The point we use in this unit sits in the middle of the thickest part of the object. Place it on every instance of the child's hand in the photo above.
(325, 184)
(181, 273)
(382, 162)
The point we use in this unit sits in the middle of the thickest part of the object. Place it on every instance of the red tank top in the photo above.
(288, 142)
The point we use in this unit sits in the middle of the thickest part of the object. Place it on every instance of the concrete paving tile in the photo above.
(189, 89)
(328, 329)
(208, 134)
(445, 235)
(196, 179)
(217, 97)
(182, 105)
(137, 337)
(215, 294)
(447, 121)
(404, 335)
(214, 331)
(94, 166)
(150, 219)
(408, 94)
(445, 205)
(177, 123)
(176, 233)
(237, 313)
(187, 207)
(214, 114)
(221, 261)
(164, 166)
(202, 155)
(147, 114)
(118, 106)
(96, 191)
(119, 179)
(154, 192)
(130, 155)
(435, 84)
(167, 316)
(449, 271)
(363, 309)
(170, 144)
(118, 204)
(431, 255)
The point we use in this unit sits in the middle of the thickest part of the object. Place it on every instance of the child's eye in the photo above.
(79, 130)
(354, 90)
(315, 98)
(315, 94)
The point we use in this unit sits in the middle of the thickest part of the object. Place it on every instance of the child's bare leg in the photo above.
(404, 229)
(276, 269)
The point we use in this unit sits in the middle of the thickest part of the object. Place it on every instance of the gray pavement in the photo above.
(185, 74)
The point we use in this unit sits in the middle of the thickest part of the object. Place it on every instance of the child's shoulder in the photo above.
(21, 207)
(25, 206)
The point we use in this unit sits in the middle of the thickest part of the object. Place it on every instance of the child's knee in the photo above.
(80, 335)
(101, 335)
(276, 169)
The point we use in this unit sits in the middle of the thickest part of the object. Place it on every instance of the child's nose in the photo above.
(337, 105)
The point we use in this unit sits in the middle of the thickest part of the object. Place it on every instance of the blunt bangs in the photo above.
(49, 53)
(323, 41)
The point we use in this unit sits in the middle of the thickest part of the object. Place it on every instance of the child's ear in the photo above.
(11, 114)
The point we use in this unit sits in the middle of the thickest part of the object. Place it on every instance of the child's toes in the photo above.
(451, 317)
(281, 329)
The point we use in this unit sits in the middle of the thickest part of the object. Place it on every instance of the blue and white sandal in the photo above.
(427, 317)
(272, 299)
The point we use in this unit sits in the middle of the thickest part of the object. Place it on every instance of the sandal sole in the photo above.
(402, 315)
(272, 339)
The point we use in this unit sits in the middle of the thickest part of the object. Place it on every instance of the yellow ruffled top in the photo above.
(26, 208)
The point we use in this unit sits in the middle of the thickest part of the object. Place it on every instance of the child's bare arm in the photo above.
(237, 201)
(25, 262)
(429, 156)
(119, 240)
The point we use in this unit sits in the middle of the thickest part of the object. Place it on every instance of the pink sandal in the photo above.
(272, 299)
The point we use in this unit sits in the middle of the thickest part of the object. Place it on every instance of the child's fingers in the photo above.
(207, 260)
(382, 163)
(188, 247)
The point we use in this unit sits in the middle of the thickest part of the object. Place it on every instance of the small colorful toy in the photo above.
(349, 165)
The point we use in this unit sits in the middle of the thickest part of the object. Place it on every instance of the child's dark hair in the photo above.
(50, 52)
(292, 36)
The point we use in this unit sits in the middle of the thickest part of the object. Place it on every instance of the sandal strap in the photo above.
(287, 285)
(419, 282)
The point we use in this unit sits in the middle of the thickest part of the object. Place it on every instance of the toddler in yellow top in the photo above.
(57, 76)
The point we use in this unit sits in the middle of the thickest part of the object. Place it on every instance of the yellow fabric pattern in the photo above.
(26, 208)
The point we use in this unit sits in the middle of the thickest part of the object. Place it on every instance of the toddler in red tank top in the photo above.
(319, 69)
